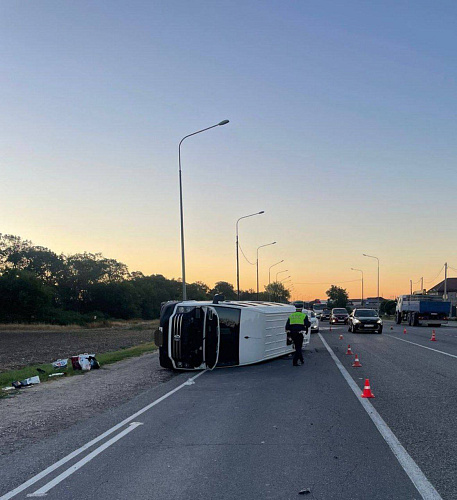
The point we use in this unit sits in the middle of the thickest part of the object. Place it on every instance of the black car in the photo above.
(364, 320)
(325, 315)
(339, 315)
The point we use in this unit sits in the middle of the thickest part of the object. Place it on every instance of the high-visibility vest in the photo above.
(297, 318)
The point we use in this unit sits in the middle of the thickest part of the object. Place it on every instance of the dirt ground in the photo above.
(22, 347)
(36, 412)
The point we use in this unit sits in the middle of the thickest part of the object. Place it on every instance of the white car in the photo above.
(313, 320)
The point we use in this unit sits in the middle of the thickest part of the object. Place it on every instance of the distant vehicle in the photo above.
(325, 315)
(422, 309)
(339, 315)
(313, 320)
(203, 335)
(318, 308)
(364, 320)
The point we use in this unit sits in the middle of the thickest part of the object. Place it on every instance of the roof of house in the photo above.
(451, 286)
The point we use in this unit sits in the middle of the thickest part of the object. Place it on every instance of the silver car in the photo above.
(313, 320)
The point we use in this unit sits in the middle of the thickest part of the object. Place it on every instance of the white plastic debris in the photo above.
(60, 363)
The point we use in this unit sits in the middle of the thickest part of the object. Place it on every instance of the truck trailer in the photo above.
(422, 310)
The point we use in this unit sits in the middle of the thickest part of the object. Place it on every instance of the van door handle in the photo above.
(246, 337)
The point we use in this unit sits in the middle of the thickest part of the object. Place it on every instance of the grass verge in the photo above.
(6, 378)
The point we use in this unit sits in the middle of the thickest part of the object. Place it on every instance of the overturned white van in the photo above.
(199, 335)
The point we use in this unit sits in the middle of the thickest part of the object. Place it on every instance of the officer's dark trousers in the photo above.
(297, 339)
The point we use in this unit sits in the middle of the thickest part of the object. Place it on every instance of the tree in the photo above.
(198, 291)
(276, 292)
(23, 297)
(224, 288)
(337, 296)
(388, 307)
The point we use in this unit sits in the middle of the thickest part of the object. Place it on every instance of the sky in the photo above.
(342, 129)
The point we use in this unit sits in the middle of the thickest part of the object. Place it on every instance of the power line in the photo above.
(433, 279)
(247, 260)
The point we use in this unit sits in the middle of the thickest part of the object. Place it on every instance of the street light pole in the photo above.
(237, 252)
(269, 276)
(279, 272)
(360, 270)
(184, 291)
(373, 257)
(269, 269)
(261, 246)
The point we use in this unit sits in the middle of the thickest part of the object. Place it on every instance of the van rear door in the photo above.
(211, 337)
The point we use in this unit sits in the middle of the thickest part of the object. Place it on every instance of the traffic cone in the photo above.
(404, 331)
(349, 350)
(367, 390)
(433, 339)
(341, 337)
(356, 363)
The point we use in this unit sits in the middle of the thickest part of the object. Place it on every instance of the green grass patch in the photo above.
(6, 378)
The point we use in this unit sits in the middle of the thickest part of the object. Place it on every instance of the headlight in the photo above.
(380, 321)
(355, 320)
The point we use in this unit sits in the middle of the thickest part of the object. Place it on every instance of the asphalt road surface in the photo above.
(269, 431)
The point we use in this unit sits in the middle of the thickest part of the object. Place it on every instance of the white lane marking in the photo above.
(41, 492)
(419, 345)
(422, 484)
(83, 448)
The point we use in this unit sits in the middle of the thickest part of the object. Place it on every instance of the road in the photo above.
(269, 431)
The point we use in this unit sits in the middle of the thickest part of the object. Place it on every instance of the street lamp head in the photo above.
(262, 212)
(223, 122)
(274, 243)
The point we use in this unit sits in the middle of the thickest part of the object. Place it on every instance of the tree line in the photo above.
(38, 285)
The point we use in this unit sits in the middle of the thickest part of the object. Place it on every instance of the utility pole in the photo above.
(410, 287)
(445, 281)
(422, 285)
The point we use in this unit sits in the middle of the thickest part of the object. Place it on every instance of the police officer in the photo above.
(296, 324)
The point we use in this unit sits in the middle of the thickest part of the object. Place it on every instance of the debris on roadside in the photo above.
(18, 384)
(6, 389)
(60, 363)
(306, 491)
(84, 362)
(56, 374)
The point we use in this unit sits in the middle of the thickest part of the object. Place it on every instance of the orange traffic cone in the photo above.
(404, 331)
(433, 339)
(367, 390)
(349, 350)
(356, 363)
(341, 337)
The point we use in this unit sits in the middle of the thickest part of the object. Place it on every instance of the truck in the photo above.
(422, 310)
